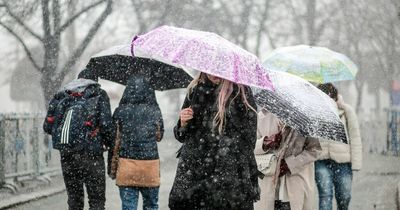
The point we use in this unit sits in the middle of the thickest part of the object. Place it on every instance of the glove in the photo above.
(272, 142)
(284, 168)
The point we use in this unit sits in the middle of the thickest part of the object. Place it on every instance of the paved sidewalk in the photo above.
(374, 187)
(31, 190)
(54, 196)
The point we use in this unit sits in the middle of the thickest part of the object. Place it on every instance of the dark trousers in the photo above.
(84, 170)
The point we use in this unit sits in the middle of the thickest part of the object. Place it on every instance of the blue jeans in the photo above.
(329, 175)
(130, 195)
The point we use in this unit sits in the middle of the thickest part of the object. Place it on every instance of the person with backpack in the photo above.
(80, 122)
(337, 160)
(139, 128)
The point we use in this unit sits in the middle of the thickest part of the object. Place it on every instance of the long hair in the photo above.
(225, 91)
(200, 78)
(330, 90)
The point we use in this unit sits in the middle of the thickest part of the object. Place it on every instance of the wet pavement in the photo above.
(374, 187)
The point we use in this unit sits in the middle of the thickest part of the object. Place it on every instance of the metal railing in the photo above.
(380, 131)
(393, 130)
(25, 150)
(373, 136)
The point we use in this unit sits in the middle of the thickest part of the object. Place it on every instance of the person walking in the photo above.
(140, 126)
(289, 180)
(338, 160)
(80, 122)
(216, 168)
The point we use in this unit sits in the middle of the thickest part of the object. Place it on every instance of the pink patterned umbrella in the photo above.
(202, 51)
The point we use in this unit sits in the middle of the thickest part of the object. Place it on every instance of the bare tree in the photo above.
(264, 15)
(54, 22)
(371, 39)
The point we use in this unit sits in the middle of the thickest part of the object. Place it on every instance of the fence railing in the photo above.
(393, 130)
(25, 150)
(373, 135)
(380, 131)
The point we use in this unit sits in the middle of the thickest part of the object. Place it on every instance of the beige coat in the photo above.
(300, 155)
(341, 152)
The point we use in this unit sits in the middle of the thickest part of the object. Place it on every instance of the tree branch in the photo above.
(271, 40)
(246, 15)
(165, 13)
(321, 27)
(261, 28)
(77, 15)
(137, 10)
(27, 51)
(21, 23)
(296, 19)
(85, 42)
(56, 17)
(46, 19)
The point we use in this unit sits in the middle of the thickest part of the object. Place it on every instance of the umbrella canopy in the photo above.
(116, 64)
(315, 64)
(201, 51)
(301, 106)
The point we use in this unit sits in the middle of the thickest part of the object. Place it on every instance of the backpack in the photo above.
(76, 125)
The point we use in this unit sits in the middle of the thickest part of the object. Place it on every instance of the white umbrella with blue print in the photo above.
(315, 64)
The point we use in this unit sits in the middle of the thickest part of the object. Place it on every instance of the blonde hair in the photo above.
(225, 91)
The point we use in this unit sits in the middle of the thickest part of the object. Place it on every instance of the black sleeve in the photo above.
(160, 122)
(116, 122)
(181, 133)
(106, 125)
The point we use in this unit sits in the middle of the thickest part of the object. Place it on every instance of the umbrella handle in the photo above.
(132, 45)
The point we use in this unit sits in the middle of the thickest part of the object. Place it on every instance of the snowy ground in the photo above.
(167, 150)
(375, 187)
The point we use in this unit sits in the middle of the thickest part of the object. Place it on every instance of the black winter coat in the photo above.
(139, 117)
(216, 171)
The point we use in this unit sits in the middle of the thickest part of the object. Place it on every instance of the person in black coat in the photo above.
(140, 125)
(217, 167)
(81, 139)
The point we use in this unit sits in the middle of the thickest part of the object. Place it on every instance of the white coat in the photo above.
(299, 156)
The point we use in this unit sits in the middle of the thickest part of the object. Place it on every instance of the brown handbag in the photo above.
(115, 156)
(138, 173)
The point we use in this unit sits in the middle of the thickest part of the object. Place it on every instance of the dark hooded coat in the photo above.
(138, 117)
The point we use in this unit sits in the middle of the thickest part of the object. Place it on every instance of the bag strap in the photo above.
(115, 154)
(281, 153)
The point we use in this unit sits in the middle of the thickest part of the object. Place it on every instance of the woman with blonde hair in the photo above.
(218, 127)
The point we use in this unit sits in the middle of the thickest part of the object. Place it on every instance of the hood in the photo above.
(340, 103)
(78, 85)
(81, 87)
(138, 90)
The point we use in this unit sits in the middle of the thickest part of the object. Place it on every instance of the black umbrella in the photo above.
(116, 64)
